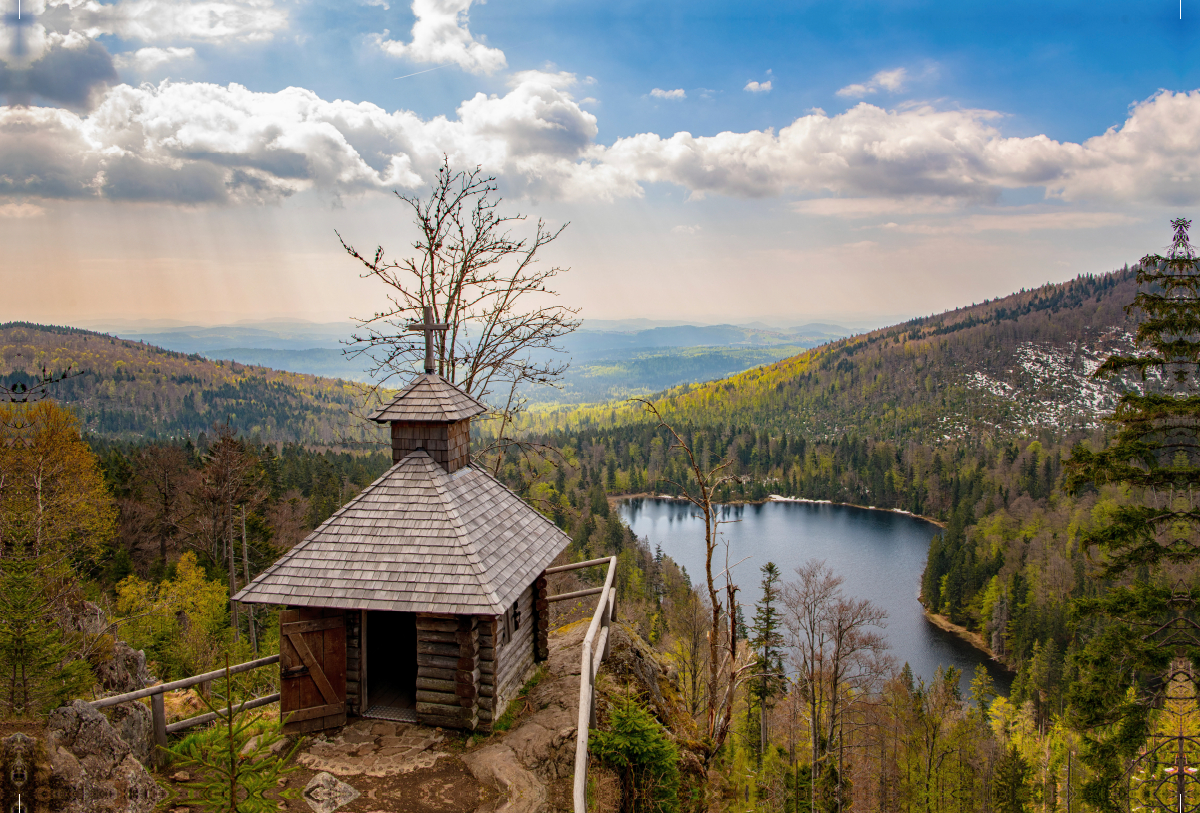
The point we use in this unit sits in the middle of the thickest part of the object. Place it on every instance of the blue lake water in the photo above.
(880, 554)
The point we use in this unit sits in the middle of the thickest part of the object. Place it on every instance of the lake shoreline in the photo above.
(615, 498)
(964, 634)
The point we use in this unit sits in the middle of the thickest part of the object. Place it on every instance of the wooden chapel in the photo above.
(422, 599)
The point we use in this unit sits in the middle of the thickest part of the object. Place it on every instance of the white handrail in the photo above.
(606, 613)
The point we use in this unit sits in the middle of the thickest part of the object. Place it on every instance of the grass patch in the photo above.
(517, 705)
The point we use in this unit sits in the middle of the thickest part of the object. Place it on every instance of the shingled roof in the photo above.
(429, 397)
(418, 539)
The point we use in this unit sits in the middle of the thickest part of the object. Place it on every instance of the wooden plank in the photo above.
(318, 711)
(436, 661)
(438, 637)
(445, 650)
(430, 684)
(440, 698)
(439, 674)
(314, 669)
(314, 625)
(429, 624)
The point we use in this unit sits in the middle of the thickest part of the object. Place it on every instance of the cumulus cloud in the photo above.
(69, 70)
(170, 20)
(891, 81)
(758, 87)
(659, 93)
(440, 34)
(197, 143)
(145, 60)
(202, 143)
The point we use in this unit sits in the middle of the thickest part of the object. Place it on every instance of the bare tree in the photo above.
(231, 477)
(838, 653)
(725, 667)
(163, 479)
(482, 282)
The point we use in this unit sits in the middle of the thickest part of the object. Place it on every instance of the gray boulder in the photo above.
(125, 671)
(135, 725)
(87, 734)
(93, 764)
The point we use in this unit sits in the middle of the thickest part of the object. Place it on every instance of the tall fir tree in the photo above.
(1147, 618)
(766, 639)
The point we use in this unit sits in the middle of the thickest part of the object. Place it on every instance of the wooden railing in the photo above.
(158, 708)
(596, 645)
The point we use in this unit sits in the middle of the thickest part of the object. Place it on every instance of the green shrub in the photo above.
(235, 768)
(638, 749)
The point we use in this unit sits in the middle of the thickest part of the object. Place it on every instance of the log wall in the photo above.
(448, 671)
(355, 663)
(504, 667)
(447, 443)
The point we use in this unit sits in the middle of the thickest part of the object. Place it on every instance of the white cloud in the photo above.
(758, 87)
(145, 60)
(172, 20)
(440, 34)
(202, 143)
(195, 142)
(659, 93)
(891, 81)
(687, 229)
(21, 210)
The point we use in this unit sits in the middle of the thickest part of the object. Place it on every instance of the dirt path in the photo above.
(374, 766)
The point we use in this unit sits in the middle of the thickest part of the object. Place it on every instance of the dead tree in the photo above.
(481, 281)
(725, 668)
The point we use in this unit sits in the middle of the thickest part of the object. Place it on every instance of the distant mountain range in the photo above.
(1020, 364)
(610, 359)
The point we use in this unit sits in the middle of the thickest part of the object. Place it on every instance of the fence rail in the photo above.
(596, 645)
(158, 709)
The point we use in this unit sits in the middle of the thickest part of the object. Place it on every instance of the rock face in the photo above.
(125, 669)
(92, 764)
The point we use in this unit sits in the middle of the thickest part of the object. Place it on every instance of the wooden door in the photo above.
(312, 669)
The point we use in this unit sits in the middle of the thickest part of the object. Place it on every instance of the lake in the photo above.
(880, 554)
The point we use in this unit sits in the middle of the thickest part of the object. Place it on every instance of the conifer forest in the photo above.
(1051, 436)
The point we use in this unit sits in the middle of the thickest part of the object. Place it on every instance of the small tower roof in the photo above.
(418, 539)
(430, 398)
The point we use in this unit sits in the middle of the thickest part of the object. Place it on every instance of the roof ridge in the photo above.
(472, 554)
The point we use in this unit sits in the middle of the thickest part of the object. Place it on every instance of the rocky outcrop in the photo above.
(118, 667)
(92, 763)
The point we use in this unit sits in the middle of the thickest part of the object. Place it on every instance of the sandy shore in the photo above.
(972, 638)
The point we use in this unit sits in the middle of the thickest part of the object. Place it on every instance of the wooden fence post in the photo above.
(159, 713)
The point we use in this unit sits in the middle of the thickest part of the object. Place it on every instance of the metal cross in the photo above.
(428, 327)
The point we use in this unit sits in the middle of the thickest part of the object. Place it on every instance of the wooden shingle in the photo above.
(418, 539)
(429, 397)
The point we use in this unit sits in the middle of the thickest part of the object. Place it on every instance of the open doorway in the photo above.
(392, 666)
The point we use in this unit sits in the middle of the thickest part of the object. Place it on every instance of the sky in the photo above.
(860, 162)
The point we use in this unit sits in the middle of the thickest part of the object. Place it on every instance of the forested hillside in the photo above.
(1007, 366)
(126, 389)
(965, 417)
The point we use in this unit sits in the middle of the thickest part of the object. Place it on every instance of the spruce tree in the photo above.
(1147, 617)
(1009, 792)
(766, 639)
